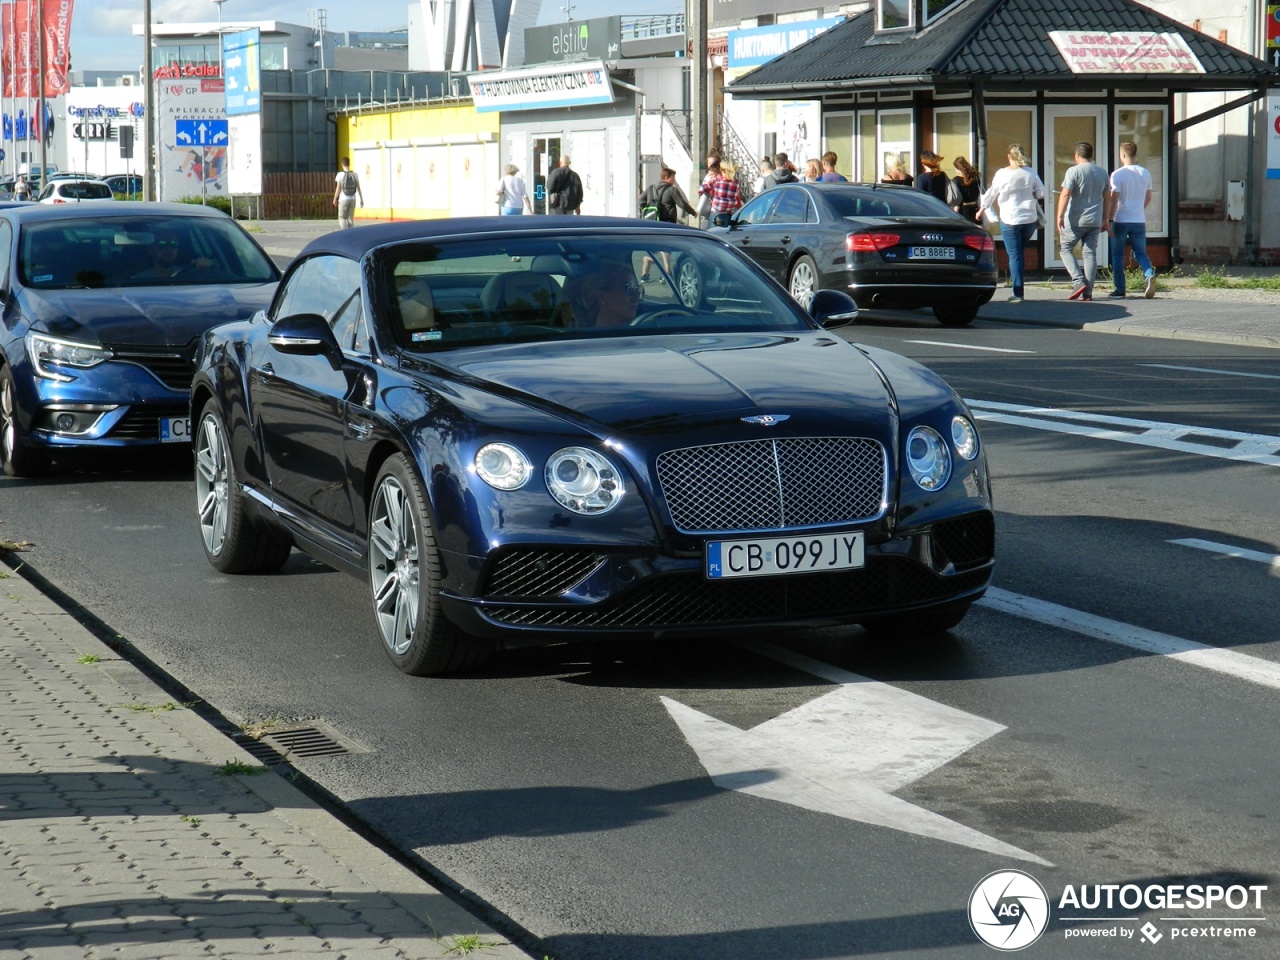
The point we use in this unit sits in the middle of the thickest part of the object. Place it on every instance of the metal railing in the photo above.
(735, 149)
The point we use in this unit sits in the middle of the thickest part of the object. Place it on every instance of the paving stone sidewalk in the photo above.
(122, 835)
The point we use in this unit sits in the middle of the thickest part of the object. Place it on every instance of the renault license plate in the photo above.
(175, 430)
(785, 555)
(931, 253)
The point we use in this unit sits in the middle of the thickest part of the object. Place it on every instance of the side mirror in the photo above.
(832, 308)
(724, 220)
(306, 335)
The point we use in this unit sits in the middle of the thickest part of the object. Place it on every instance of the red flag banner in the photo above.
(20, 55)
(56, 32)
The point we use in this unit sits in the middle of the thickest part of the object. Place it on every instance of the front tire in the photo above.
(17, 457)
(231, 541)
(404, 579)
(804, 280)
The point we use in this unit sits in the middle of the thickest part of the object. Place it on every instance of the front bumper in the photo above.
(533, 596)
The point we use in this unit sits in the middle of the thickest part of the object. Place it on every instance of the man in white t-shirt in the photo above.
(346, 189)
(1127, 219)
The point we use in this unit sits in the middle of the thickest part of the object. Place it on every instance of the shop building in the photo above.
(969, 77)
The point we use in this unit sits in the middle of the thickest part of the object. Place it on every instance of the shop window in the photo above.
(895, 137)
(951, 136)
(894, 14)
(1145, 127)
(838, 131)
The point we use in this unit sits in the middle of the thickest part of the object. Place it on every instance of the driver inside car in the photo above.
(606, 297)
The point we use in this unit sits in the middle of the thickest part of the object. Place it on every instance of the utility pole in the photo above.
(699, 77)
(148, 107)
(44, 168)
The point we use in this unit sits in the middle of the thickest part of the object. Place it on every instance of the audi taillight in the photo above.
(983, 244)
(871, 242)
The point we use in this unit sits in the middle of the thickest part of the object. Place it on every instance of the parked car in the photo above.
(887, 246)
(125, 184)
(103, 311)
(74, 191)
(514, 441)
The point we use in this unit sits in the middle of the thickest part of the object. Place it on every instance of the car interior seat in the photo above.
(521, 296)
(417, 309)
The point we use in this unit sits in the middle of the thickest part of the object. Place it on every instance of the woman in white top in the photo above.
(1016, 191)
(512, 193)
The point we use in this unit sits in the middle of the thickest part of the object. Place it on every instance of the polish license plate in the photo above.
(175, 429)
(931, 253)
(774, 557)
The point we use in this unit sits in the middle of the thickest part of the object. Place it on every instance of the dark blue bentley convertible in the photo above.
(536, 430)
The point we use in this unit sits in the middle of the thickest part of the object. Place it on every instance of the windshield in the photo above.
(139, 251)
(512, 289)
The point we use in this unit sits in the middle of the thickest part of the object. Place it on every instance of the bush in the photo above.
(217, 202)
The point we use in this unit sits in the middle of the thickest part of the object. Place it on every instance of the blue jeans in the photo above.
(512, 211)
(1016, 237)
(1134, 234)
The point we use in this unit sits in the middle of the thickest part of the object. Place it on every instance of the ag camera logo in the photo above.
(1008, 910)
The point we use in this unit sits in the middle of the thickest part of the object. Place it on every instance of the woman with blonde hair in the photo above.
(969, 182)
(895, 169)
(1016, 192)
(812, 170)
(723, 189)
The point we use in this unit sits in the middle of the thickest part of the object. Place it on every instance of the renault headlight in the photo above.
(928, 458)
(50, 356)
(584, 481)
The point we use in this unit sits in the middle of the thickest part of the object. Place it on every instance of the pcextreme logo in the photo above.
(1009, 910)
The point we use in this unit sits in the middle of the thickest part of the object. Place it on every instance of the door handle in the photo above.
(745, 241)
(265, 373)
(785, 240)
(361, 430)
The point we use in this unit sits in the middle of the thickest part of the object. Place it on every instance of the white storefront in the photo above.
(93, 120)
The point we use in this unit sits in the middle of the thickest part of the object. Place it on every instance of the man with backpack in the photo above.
(346, 189)
(564, 190)
(663, 201)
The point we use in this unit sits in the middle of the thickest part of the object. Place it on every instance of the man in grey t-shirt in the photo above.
(1081, 209)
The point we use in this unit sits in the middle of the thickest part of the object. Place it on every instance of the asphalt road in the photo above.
(559, 787)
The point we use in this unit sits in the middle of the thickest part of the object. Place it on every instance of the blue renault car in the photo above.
(103, 306)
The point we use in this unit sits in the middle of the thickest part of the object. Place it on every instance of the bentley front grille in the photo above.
(774, 484)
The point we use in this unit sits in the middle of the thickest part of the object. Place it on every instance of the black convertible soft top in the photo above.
(358, 241)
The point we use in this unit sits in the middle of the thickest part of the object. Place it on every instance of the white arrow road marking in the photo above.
(1270, 559)
(1224, 444)
(1265, 673)
(842, 753)
(966, 346)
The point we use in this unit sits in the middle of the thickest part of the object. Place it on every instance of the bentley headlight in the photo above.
(49, 354)
(928, 458)
(503, 466)
(965, 437)
(584, 481)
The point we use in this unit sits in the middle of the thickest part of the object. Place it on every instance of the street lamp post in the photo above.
(148, 107)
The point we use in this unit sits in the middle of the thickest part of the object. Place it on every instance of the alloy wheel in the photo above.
(393, 565)
(212, 479)
(802, 283)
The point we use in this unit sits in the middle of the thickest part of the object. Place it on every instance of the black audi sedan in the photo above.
(887, 246)
(103, 307)
(515, 440)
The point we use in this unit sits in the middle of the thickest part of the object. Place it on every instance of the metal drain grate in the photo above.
(301, 742)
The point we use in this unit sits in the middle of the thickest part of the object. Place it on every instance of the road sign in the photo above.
(201, 132)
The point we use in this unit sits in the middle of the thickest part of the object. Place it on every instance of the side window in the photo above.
(6, 253)
(757, 210)
(792, 207)
(325, 285)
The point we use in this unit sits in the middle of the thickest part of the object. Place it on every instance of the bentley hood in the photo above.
(633, 385)
(141, 316)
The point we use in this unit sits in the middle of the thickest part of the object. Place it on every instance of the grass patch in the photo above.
(194, 821)
(151, 707)
(236, 768)
(88, 658)
(465, 943)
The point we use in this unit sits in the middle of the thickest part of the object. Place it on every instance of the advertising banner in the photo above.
(1093, 51)
(184, 166)
(1273, 138)
(21, 55)
(542, 88)
(240, 69)
(751, 48)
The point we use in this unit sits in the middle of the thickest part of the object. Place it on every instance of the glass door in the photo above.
(546, 157)
(1065, 126)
